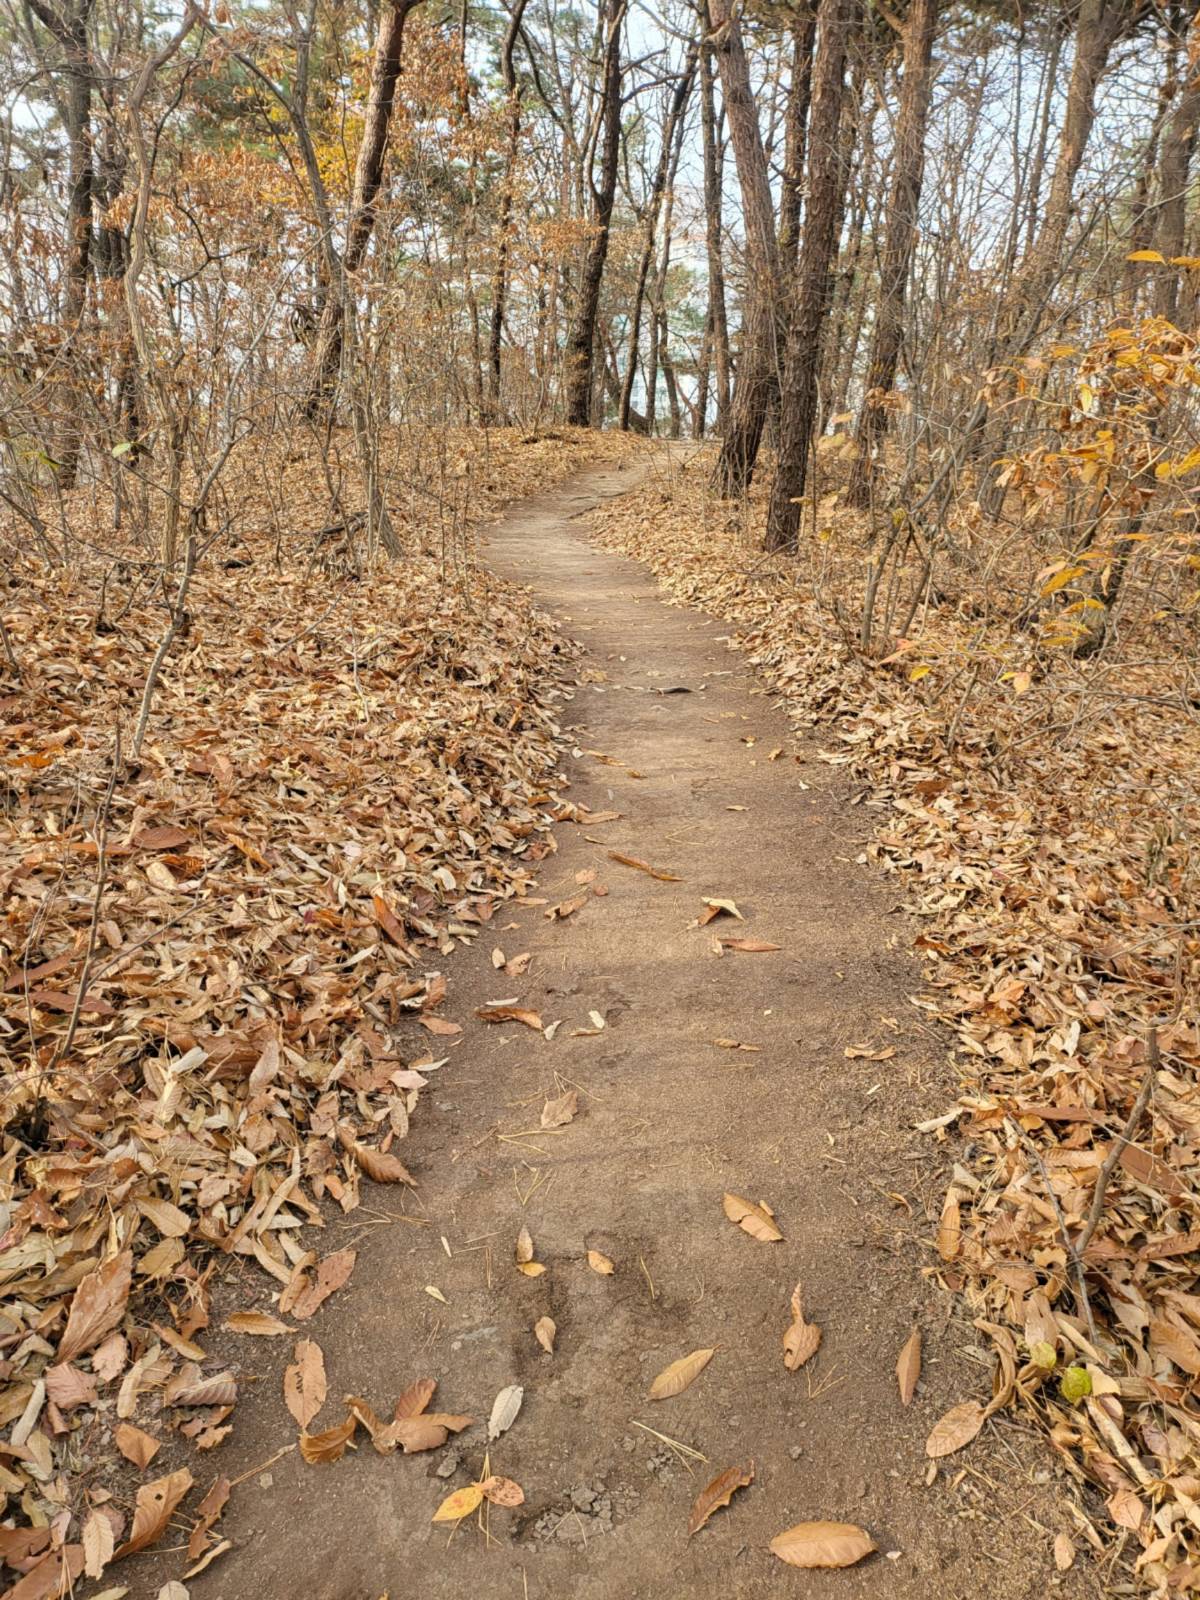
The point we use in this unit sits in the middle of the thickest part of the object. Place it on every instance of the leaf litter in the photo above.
(216, 970)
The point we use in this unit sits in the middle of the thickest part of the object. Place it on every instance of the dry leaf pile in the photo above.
(217, 964)
(1040, 823)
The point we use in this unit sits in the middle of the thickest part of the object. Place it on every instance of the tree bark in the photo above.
(368, 176)
(757, 372)
(826, 185)
(504, 224)
(713, 173)
(900, 235)
(581, 338)
(1170, 221)
(804, 32)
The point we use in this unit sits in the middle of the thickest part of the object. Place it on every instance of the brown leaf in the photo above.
(680, 1375)
(719, 1493)
(98, 1542)
(714, 907)
(331, 1274)
(568, 908)
(388, 922)
(530, 1019)
(152, 1510)
(600, 1263)
(908, 1367)
(957, 1428)
(1064, 1553)
(949, 1234)
(411, 1434)
(502, 1492)
(751, 1218)
(822, 1544)
(545, 1331)
(136, 1446)
(53, 1576)
(378, 1166)
(644, 866)
(97, 1305)
(259, 1323)
(440, 1027)
(524, 1249)
(304, 1386)
(750, 946)
(319, 1449)
(415, 1398)
(802, 1339)
(557, 1113)
(68, 1388)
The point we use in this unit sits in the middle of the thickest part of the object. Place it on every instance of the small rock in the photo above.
(448, 1465)
(265, 1480)
(582, 1498)
(795, 1452)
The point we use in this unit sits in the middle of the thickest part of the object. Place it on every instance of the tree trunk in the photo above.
(900, 235)
(713, 173)
(69, 25)
(368, 176)
(1170, 221)
(500, 275)
(668, 157)
(581, 339)
(758, 365)
(804, 32)
(826, 184)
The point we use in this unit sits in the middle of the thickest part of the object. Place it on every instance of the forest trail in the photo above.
(668, 1121)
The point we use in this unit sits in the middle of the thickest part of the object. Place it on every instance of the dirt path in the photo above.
(668, 1122)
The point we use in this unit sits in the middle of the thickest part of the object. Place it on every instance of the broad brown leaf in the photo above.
(752, 1219)
(680, 1375)
(136, 1446)
(152, 1510)
(545, 1331)
(378, 1166)
(719, 1493)
(319, 1449)
(908, 1367)
(304, 1386)
(822, 1544)
(529, 1019)
(97, 1305)
(802, 1339)
(956, 1429)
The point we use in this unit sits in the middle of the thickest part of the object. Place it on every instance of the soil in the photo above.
(671, 730)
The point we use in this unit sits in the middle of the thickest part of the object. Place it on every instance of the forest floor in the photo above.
(792, 1074)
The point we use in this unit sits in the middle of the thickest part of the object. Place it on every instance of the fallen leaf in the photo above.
(751, 1219)
(524, 1250)
(98, 1542)
(415, 1398)
(440, 1027)
(544, 1331)
(736, 1044)
(750, 946)
(502, 1492)
(378, 1166)
(957, 1428)
(822, 1544)
(531, 1269)
(505, 1409)
(97, 1305)
(867, 1052)
(908, 1366)
(304, 1386)
(680, 1375)
(152, 1510)
(802, 1339)
(435, 1293)
(331, 1275)
(256, 1322)
(949, 1234)
(460, 1504)
(1064, 1553)
(319, 1449)
(136, 1446)
(557, 1113)
(716, 908)
(644, 866)
(600, 1263)
(503, 1013)
(719, 1493)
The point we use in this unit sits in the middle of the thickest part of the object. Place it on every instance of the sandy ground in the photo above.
(668, 1122)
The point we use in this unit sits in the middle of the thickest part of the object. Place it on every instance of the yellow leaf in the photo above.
(600, 1263)
(918, 673)
(460, 1504)
(1147, 255)
(531, 1269)
(680, 1375)
(1061, 579)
